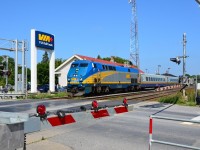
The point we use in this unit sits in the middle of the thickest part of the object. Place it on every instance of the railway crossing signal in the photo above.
(198, 1)
(176, 60)
(41, 112)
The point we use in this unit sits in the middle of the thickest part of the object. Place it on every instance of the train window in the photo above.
(114, 68)
(110, 68)
(147, 79)
(95, 65)
(128, 70)
(74, 65)
(106, 67)
(83, 64)
(103, 67)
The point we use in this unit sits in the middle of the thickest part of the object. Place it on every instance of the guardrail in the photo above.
(151, 140)
(11, 95)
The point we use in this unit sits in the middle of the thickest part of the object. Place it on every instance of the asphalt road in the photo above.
(29, 106)
(127, 131)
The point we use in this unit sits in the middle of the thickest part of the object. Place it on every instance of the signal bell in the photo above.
(41, 112)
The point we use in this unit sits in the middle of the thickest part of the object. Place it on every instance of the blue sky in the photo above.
(93, 27)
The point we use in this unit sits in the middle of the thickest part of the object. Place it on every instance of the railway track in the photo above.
(142, 95)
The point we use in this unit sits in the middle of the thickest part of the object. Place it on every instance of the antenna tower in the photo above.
(134, 44)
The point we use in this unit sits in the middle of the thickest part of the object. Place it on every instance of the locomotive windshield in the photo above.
(74, 65)
(78, 69)
(83, 64)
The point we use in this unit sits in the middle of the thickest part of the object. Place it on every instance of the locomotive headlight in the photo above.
(68, 79)
(81, 79)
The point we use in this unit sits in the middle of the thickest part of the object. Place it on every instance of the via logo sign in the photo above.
(44, 40)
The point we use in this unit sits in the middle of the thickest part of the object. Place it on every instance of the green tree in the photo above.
(45, 58)
(43, 73)
(99, 57)
(58, 62)
(43, 70)
(187, 75)
(106, 58)
(11, 65)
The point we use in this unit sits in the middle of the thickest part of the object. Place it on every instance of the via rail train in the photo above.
(85, 77)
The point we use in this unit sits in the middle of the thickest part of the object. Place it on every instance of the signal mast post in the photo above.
(184, 61)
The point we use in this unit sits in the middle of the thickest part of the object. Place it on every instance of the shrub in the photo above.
(179, 99)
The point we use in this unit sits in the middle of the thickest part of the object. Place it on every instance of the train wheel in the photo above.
(107, 90)
(98, 89)
(132, 88)
(137, 88)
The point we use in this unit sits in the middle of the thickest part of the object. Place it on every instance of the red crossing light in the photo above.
(41, 110)
(95, 105)
(125, 102)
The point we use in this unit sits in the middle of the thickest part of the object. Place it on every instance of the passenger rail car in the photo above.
(94, 77)
(155, 81)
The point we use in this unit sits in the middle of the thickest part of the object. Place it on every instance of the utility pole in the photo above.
(184, 54)
(134, 44)
(184, 61)
(168, 70)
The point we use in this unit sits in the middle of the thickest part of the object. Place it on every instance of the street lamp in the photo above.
(198, 1)
(159, 69)
(168, 70)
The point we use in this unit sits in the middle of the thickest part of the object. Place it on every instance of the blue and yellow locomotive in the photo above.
(86, 77)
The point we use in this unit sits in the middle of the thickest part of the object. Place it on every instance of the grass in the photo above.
(47, 95)
(179, 99)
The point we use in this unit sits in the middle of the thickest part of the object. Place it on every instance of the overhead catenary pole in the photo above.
(15, 46)
(23, 64)
(16, 65)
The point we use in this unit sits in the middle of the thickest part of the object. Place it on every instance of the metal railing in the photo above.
(151, 140)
